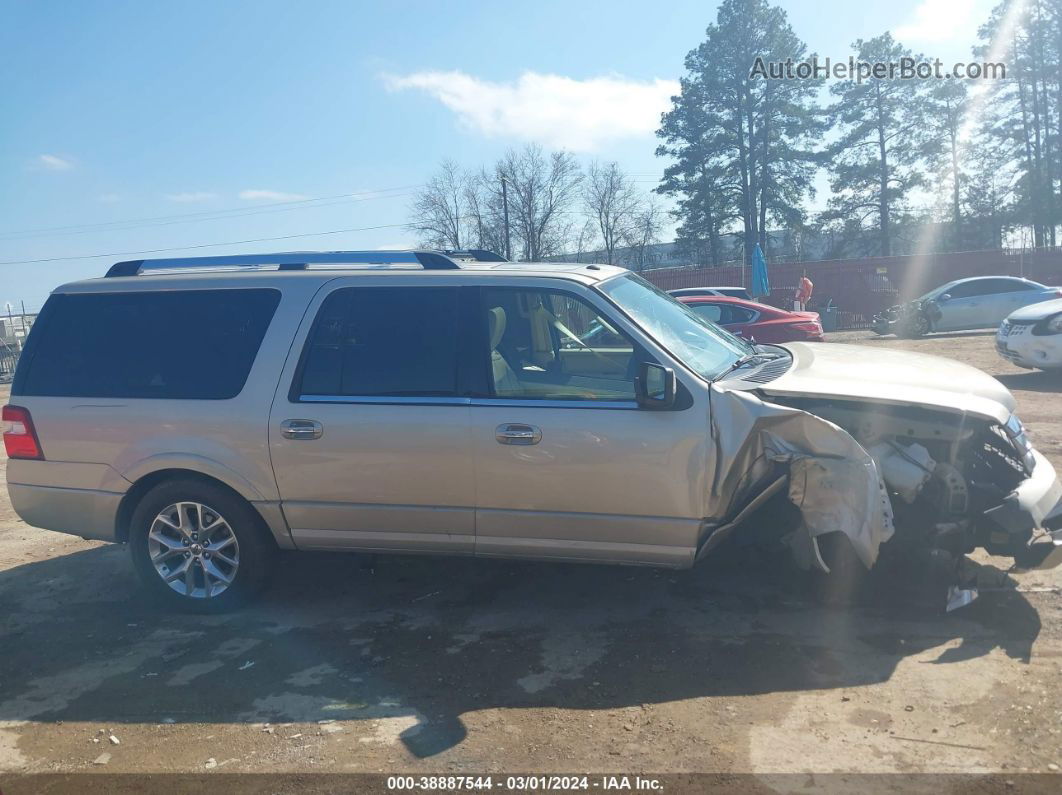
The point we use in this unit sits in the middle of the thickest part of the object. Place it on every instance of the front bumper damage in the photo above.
(840, 485)
(1033, 510)
(831, 478)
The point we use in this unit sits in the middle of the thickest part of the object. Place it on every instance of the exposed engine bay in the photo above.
(913, 483)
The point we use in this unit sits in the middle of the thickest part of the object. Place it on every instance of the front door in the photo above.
(371, 444)
(567, 465)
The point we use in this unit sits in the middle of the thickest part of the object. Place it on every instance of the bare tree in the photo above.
(485, 221)
(585, 240)
(610, 198)
(643, 232)
(439, 209)
(542, 189)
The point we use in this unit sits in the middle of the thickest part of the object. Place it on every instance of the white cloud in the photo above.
(270, 195)
(936, 21)
(554, 110)
(191, 197)
(54, 163)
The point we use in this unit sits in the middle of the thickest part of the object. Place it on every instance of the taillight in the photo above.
(811, 326)
(20, 437)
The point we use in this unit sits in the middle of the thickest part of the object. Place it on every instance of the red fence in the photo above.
(861, 287)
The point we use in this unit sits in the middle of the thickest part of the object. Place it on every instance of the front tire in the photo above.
(918, 327)
(847, 582)
(199, 547)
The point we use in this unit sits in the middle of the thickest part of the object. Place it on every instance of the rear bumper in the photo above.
(1034, 510)
(89, 513)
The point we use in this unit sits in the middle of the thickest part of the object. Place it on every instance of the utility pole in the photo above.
(11, 325)
(505, 215)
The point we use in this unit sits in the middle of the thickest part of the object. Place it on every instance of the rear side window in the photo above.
(182, 344)
(1009, 286)
(383, 342)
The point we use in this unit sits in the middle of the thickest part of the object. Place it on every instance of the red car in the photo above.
(755, 321)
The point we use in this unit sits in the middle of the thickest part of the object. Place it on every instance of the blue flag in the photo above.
(761, 285)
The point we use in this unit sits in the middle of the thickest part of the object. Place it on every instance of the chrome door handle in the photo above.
(517, 433)
(301, 429)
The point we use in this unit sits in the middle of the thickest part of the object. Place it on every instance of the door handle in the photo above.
(517, 433)
(301, 429)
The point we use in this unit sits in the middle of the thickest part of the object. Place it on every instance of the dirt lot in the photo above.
(459, 665)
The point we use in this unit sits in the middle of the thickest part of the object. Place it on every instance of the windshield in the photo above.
(698, 343)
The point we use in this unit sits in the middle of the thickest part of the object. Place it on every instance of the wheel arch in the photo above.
(144, 484)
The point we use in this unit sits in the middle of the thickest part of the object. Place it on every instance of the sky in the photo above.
(132, 127)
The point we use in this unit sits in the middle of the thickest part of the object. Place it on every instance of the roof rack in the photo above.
(304, 260)
(474, 255)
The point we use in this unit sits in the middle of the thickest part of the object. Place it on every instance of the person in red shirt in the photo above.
(803, 293)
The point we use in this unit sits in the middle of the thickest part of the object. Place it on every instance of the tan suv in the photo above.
(209, 412)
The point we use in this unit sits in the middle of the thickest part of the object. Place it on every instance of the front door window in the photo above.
(550, 345)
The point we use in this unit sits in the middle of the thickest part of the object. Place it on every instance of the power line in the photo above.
(365, 195)
(233, 212)
(200, 245)
(236, 242)
(247, 213)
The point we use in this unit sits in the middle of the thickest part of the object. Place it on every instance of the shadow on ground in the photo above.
(431, 639)
(1033, 381)
(936, 335)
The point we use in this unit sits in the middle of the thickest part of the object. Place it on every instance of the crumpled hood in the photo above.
(859, 372)
(1036, 311)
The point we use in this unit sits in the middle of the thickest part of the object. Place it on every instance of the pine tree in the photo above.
(742, 144)
(877, 160)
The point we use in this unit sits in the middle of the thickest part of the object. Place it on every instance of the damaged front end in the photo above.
(927, 484)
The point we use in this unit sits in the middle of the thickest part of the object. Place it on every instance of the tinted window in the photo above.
(384, 341)
(723, 314)
(712, 312)
(738, 314)
(185, 344)
(1008, 286)
(549, 345)
(985, 287)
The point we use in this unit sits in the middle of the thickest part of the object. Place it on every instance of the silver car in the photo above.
(963, 304)
(210, 412)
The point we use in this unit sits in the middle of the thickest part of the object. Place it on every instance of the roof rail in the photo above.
(474, 254)
(290, 261)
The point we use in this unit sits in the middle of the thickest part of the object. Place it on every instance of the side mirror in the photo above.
(654, 388)
(944, 298)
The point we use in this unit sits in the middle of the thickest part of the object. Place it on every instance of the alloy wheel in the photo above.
(193, 550)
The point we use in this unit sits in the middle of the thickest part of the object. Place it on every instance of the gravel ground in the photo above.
(465, 666)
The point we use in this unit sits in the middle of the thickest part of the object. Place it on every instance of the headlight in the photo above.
(1016, 432)
(1049, 325)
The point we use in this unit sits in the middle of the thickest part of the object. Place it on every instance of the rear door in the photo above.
(369, 433)
(567, 465)
(1004, 296)
(1021, 293)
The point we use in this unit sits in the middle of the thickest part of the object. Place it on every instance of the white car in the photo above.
(1032, 336)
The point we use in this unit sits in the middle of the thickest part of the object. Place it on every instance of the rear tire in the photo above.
(198, 547)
